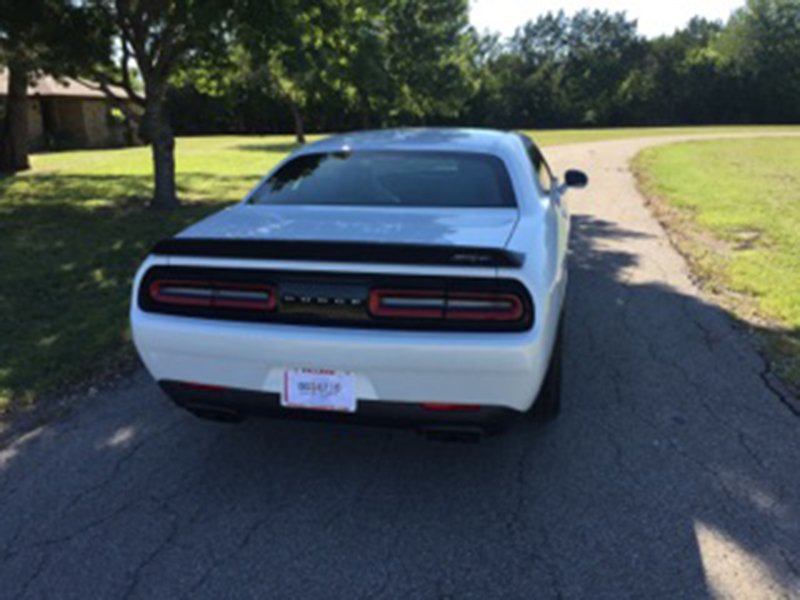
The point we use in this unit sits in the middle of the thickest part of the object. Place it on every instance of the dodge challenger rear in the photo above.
(411, 278)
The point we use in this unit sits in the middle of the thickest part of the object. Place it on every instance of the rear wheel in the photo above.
(548, 404)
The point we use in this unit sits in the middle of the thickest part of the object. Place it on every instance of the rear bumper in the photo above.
(232, 404)
(503, 371)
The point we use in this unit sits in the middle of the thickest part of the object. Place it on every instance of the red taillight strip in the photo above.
(182, 293)
(452, 306)
(214, 294)
(418, 304)
(252, 297)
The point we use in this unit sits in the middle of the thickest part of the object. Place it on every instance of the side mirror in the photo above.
(576, 179)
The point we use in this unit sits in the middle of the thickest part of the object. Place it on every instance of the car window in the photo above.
(399, 179)
(545, 180)
(541, 169)
(544, 176)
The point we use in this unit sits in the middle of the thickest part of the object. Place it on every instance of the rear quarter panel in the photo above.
(542, 236)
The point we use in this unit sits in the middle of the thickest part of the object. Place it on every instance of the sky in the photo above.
(655, 16)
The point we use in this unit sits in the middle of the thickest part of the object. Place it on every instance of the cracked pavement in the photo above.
(672, 473)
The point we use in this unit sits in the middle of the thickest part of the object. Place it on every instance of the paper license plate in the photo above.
(314, 389)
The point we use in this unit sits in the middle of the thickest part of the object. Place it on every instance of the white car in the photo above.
(411, 278)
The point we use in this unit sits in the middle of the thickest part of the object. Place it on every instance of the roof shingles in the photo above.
(64, 87)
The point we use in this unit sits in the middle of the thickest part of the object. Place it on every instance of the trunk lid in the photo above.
(486, 228)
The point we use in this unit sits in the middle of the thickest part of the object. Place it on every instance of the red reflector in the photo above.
(451, 407)
(201, 387)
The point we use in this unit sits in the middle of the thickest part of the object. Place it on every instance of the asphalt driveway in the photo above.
(673, 472)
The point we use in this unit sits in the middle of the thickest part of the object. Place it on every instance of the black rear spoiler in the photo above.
(348, 252)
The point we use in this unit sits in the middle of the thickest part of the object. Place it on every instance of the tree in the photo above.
(403, 59)
(761, 48)
(429, 57)
(542, 49)
(159, 36)
(678, 81)
(292, 61)
(14, 138)
(571, 68)
(603, 49)
(32, 41)
(393, 59)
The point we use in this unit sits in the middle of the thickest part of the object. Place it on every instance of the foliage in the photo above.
(32, 41)
(32, 32)
(760, 47)
(159, 36)
(340, 61)
(427, 58)
(293, 64)
(350, 63)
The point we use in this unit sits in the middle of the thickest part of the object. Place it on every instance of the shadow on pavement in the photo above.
(671, 473)
(288, 147)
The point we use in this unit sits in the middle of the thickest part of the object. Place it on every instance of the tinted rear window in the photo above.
(390, 179)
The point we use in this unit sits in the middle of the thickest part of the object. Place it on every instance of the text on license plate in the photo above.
(317, 389)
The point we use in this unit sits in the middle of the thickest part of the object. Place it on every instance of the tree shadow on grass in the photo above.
(70, 248)
(117, 189)
(73, 189)
(282, 148)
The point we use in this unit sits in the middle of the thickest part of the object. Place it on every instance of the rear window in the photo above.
(390, 179)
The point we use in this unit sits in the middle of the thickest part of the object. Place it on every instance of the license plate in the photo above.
(314, 389)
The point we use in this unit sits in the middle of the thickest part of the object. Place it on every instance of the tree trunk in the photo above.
(364, 114)
(14, 142)
(164, 162)
(298, 123)
(363, 102)
(157, 132)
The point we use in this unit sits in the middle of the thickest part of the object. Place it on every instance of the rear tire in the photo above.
(548, 404)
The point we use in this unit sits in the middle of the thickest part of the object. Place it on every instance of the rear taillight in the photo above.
(447, 305)
(410, 304)
(468, 306)
(182, 293)
(252, 297)
(356, 300)
(214, 294)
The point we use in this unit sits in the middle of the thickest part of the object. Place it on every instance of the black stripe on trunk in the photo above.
(346, 252)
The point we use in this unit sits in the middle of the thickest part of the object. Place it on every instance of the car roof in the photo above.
(482, 141)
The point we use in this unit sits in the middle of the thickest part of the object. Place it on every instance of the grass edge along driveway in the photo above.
(732, 207)
(74, 229)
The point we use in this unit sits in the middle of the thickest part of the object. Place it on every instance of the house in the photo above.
(67, 113)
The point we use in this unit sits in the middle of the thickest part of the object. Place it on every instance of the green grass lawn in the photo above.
(736, 212)
(576, 136)
(72, 232)
(74, 229)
